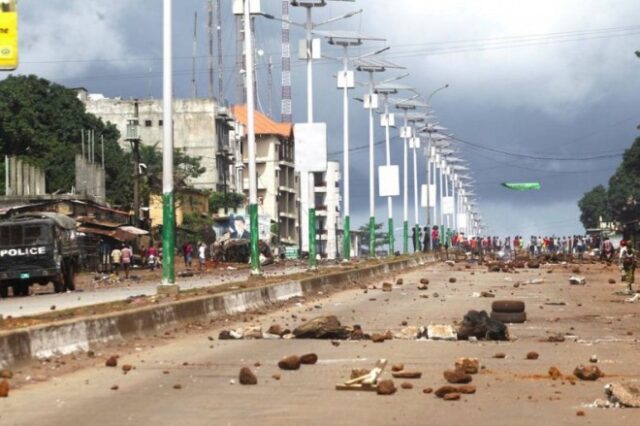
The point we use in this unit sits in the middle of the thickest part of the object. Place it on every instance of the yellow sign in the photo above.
(8, 35)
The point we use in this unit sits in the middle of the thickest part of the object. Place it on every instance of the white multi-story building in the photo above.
(201, 128)
(277, 179)
(327, 203)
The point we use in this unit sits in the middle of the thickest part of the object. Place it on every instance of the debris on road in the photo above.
(532, 355)
(246, 377)
(624, 395)
(406, 385)
(324, 327)
(555, 373)
(112, 361)
(479, 325)
(588, 372)
(386, 387)
(406, 374)
(309, 359)
(575, 280)
(4, 388)
(387, 287)
(441, 332)
(468, 365)
(6, 374)
(424, 281)
(230, 335)
(291, 362)
(457, 376)
(367, 381)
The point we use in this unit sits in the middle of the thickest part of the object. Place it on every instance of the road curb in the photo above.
(82, 334)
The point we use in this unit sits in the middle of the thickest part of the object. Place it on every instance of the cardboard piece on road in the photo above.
(367, 382)
(441, 332)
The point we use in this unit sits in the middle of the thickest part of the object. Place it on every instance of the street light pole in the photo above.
(346, 225)
(387, 143)
(168, 201)
(251, 142)
(405, 184)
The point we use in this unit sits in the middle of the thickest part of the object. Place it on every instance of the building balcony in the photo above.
(288, 215)
(287, 189)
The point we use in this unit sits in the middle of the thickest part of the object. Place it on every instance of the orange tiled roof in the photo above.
(264, 125)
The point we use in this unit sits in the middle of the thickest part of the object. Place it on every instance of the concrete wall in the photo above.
(194, 127)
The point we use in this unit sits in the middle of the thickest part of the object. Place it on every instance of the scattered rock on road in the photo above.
(587, 372)
(424, 281)
(112, 361)
(291, 362)
(406, 385)
(6, 374)
(452, 280)
(397, 367)
(457, 376)
(386, 387)
(624, 394)
(532, 355)
(479, 325)
(309, 359)
(387, 287)
(247, 377)
(406, 374)
(500, 355)
(4, 388)
(451, 397)
(468, 365)
(324, 327)
(555, 373)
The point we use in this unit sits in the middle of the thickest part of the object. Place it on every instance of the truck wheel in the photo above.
(4, 291)
(69, 277)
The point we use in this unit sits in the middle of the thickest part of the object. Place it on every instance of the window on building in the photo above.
(160, 123)
(148, 123)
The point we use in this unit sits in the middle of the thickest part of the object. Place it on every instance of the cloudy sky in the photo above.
(554, 80)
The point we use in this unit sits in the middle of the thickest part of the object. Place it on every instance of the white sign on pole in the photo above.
(371, 101)
(414, 143)
(388, 120)
(405, 132)
(462, 220)
(238, 7)
(310, 147)
(346, 79)
(423, 195)
(447, 205)
(432, 194)
(389, 181)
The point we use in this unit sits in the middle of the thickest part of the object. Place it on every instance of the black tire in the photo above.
(509, 317)
(69, 277)
(508, 306)
(4, 291)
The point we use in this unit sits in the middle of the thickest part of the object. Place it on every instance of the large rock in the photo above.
(324, 327)
(4, 389)
(480, 326)
(587, 372)
(290, 363)
(386, 387)
(247, 377)
(309, 359)
(457, 376)
(468, 365)
(623, 394)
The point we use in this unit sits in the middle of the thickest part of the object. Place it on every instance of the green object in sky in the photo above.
(527, 186)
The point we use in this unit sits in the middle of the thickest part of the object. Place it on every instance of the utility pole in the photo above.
(285, 102)
(194, 52)
(168, 201)
(210, 34)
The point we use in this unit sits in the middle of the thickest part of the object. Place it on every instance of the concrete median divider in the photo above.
(82, 334)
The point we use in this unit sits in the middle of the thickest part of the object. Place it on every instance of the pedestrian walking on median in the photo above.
(127, 259)
(425, 242)
(627, 265)
(116, 259)
(187, 251)
(202, 250)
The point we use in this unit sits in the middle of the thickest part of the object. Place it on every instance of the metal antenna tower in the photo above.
(285, 103)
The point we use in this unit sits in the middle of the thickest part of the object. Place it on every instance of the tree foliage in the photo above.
(593, 206)
(380, 238)
(220, 200)
(41, 123)
(620, 202)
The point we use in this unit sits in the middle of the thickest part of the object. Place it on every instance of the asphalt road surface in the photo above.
(188, 379)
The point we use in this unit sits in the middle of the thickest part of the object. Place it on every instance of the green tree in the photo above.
(380, 239)
(185, 168)
(220, 200)
(41, 123)
(624, 185)
(593, 206)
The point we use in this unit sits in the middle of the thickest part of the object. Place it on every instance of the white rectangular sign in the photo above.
(423, 195)
(389, 181)
(388, 120)
(310, 147)
(346, 79)
(447, 205)
(405, 132)
(414, 143)
(371, 101)
(462, 220)
(432, 194)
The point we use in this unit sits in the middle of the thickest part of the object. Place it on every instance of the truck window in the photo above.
(36, 235)
(10, 236)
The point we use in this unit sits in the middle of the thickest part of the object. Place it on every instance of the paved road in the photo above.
(43, 298)
(510, 391)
